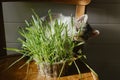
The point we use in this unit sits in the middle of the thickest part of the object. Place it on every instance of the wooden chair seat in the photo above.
(31, 72)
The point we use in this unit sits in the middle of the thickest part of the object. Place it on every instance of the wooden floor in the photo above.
(31, 72)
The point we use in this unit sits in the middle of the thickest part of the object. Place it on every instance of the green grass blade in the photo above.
(90, 68)
(78, 69)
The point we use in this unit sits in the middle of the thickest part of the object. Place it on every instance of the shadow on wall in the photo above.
(103, 51)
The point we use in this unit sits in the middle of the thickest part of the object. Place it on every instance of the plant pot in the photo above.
(57, 69)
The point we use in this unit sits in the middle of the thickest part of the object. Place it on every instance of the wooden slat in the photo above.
(80, 10)
(77, 2)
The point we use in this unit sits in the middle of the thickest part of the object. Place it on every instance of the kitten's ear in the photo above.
(83, 18)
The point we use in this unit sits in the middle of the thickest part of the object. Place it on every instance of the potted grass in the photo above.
(48, 45)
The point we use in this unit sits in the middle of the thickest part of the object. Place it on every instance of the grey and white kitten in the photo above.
(81, 29)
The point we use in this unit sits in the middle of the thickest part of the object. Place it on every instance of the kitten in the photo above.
(81, 29)
(80, 23)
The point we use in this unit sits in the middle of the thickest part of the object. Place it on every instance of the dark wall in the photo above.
(104, 50)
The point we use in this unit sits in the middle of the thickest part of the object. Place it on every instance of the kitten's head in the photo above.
(84, 30)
